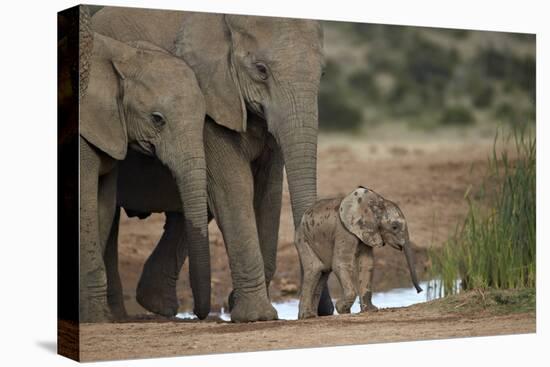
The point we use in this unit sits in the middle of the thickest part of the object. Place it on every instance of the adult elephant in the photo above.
(260, 78)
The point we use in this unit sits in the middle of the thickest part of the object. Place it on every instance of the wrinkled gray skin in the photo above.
(260, 77)
(146, 99)
(338, 235)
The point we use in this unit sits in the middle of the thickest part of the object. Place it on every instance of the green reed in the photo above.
(495, 246)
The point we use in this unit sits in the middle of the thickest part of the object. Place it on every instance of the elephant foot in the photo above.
(369, 308)
(157, 295)
(249, 308)
(306, 314)
(343, 306)
(95, 309)
(366, 303)
(116, 305)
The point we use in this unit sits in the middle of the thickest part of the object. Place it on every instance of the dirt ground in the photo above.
(465, 315)
(426, 178)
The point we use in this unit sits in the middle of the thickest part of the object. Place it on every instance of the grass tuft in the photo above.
(495, 246)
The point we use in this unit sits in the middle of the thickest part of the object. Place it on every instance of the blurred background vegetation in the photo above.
(425, 78)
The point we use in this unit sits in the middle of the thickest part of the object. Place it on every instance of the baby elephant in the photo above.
(339, 235)
(141, 97)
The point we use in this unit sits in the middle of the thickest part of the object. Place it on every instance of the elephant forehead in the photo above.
(252, 23)
(280, 32)
(169, 89)
(393, 213)
(167, 68)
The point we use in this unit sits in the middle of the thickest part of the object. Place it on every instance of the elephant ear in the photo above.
(358, 214)
(102, 120)
(204, 42)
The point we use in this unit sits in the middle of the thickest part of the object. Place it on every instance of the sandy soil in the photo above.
(464, 317)
(427, 179)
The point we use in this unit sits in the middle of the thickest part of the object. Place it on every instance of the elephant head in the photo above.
(376, 222)
(270, 67)
(149, 100)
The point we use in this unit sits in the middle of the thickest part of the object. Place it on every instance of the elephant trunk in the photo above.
(297, 136)
(410, 262)
(190, 177)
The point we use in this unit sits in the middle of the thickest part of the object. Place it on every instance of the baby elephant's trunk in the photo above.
(410, 262)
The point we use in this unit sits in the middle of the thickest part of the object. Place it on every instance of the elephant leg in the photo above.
(156, 289)
(231, 195)
(365, 271)
(345, 276)
(325, 306)
(109, 216)
(93, 279)
(268, 191)
(311, 269)
(310, 282)
(115, 294)
(344, 265)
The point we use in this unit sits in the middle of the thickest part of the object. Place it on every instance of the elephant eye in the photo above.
(262, 69)
(158, 119)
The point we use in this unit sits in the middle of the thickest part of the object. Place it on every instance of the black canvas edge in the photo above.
(68, 183)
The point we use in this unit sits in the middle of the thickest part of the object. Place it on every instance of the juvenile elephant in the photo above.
(339, 235)
(144, 98)
(260, 77)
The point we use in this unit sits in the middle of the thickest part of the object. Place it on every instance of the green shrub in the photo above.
(405, 102)
(496, 245)
(391, 35)
(515, 116)
(332, 72)
(457, 115)
(363, 82)
(459, 34)
(506, 112)
(423, 74)
(483, 97)
(513, 70)
(336, 113)
(430, 64)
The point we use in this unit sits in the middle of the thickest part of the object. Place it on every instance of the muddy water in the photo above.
(398, 297)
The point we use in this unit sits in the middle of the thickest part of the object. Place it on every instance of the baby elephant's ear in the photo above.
(358, 217)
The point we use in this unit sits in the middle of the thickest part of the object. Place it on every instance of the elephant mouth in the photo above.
(257, 108)
(397, 246)
(144, 147)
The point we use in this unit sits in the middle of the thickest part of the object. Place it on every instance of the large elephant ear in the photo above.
(358, 213)
(204, 42)
(102, 120)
